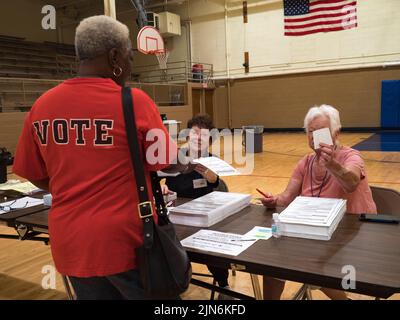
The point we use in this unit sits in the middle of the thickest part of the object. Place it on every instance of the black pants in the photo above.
(122, 286)
(220, 275)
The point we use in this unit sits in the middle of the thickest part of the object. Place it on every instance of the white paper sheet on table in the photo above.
(23, 203)
(261, 233)
(23, 187)
(217, 165)
(219, 242)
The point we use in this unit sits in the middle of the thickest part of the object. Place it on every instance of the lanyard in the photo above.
(311, 180)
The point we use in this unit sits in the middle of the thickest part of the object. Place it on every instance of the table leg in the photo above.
(68, 289)
(256, 286)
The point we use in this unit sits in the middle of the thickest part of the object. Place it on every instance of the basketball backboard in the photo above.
(149, 40)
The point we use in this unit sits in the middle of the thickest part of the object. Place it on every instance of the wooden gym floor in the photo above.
(21, 262)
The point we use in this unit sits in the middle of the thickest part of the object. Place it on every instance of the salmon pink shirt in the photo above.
(325, 185)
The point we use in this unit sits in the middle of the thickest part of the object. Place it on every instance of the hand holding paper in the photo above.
(208, 174)
(218, 166)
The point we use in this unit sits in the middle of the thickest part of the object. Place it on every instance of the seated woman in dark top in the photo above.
(200, 181)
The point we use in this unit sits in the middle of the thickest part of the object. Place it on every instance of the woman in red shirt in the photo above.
(74, 144)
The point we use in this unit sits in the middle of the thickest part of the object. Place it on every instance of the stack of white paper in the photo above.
(209, 209)
(312, 218)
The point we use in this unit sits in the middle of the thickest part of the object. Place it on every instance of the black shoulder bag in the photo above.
(163, 263)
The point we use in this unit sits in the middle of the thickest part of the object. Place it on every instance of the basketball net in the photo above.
(162, 57)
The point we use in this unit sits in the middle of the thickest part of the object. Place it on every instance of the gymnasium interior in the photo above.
(229, 59)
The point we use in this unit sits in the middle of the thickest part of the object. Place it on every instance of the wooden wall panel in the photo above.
(10, 129)
(209, 102)
(197, 97)
(282, 101)
(181, 113)
(221, 113)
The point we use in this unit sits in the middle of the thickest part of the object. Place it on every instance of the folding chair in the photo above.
(387, 200)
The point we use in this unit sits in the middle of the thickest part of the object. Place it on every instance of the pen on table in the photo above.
(243, 239)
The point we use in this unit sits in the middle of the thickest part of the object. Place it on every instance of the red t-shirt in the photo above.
(75, 136)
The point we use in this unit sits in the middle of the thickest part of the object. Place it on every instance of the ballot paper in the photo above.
(218, 166)
(162, 174)
(25, 202)
(261, 233)
(209, 209)
(322, 136)
(312, 218)
(218, 242)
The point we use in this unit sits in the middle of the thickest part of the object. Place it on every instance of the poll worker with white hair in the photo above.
(331, 171)
(74, 144)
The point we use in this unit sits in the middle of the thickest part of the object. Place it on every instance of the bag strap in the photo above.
(145, 208)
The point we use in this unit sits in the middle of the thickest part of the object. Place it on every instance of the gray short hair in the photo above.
(327, 111)
(98, 34)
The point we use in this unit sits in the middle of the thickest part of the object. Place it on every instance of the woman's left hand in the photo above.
(206, 173)
(165, 190)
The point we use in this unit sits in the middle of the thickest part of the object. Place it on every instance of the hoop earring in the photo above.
(117, 71)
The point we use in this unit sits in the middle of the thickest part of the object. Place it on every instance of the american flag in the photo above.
(304, 17)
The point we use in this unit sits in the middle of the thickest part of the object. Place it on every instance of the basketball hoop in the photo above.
(150, 41)
(162, 57)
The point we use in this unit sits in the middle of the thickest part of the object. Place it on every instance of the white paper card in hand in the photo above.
(322, 136)
(218, 166)
(162, 174)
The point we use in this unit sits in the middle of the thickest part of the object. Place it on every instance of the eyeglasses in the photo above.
(10, 207)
